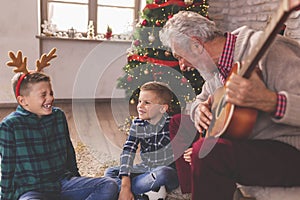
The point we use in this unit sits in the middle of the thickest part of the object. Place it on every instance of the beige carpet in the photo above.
(89, 165)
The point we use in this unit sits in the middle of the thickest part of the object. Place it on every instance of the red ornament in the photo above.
(136, 43)
(158, 23)
(170, 16)
(129, 78)
(144, 22)
(183, 80)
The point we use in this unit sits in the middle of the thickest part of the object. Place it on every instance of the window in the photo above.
(120, 15)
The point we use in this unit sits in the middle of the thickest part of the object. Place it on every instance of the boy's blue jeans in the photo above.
(147, 181)
(79, 188)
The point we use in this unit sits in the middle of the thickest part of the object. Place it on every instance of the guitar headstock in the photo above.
(278, 18)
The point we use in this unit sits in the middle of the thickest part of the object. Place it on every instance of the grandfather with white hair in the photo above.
(269, 155)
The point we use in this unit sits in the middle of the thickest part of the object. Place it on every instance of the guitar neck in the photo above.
(271, 30)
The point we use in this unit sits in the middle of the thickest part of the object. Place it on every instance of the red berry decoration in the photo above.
(136, 43)
(129, 78)
(144, 22)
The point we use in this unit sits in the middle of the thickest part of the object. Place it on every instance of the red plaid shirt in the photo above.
(225, 64)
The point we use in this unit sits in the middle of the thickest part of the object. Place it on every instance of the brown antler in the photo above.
(18, 62)
(45, 59)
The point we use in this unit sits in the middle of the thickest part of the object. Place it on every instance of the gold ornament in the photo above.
(132, 101)
(188, 2)
(167, 53)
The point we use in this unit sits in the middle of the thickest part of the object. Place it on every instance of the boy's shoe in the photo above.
(158, 194)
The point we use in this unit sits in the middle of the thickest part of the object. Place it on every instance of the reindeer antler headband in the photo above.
(20, 65)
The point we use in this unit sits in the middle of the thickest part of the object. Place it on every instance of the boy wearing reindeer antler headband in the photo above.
(37, 156)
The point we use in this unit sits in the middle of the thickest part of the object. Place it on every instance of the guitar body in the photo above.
(230, 120)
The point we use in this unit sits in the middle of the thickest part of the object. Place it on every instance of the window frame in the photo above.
(92, 10)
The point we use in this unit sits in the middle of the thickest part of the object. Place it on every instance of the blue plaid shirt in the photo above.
(155, 147)
(36, 153)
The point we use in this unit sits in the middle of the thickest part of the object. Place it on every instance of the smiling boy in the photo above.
(151, 131)
(37, 156)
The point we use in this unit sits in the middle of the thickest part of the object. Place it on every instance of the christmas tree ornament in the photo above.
(132, 101)
(167, 53)
(136, 42)
(144, 22)
(146, 71)
(151, 38)
(188, 2)
(157, 23)
(129, 78)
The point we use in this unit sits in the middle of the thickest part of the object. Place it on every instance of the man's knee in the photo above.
(212, 148)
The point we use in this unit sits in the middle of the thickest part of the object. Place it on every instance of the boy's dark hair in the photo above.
(30, 78)
(162, 90)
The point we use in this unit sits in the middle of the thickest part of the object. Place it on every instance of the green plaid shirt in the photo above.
(35, 153)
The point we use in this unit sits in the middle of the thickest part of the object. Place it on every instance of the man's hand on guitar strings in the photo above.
(203, 115)
(250, 92)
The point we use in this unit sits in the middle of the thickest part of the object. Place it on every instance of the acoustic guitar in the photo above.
(234, 121)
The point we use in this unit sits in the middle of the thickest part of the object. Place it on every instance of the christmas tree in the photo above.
(149, 60)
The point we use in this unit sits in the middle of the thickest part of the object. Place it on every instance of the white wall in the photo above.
(86, 69)
(90, 65)
(18, 19)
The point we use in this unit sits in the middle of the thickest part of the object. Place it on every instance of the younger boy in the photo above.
(37, 158)
(151, 131)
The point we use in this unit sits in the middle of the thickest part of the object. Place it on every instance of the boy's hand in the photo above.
(187, 155)
(125, 192)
